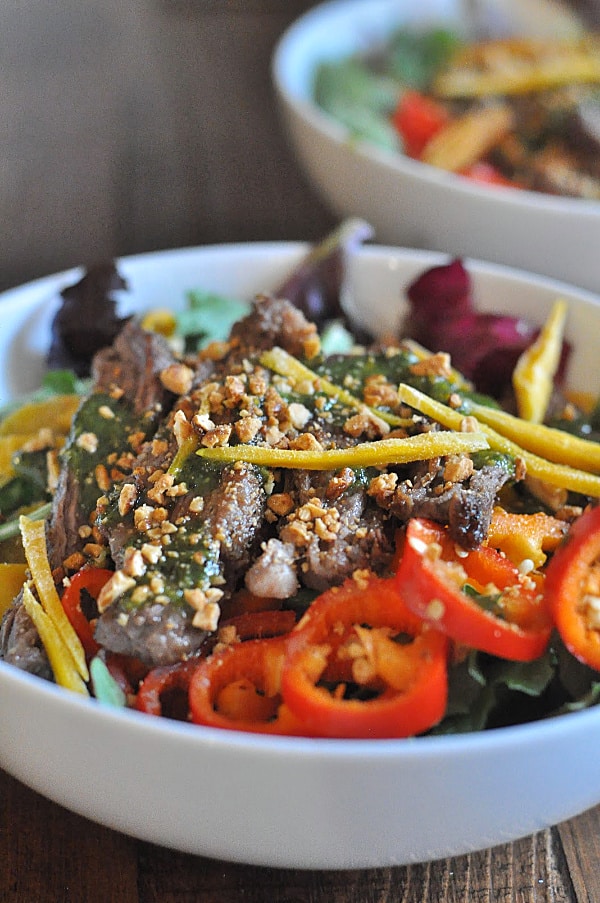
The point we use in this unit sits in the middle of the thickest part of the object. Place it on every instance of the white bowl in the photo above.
(280, 801)
(408, 202)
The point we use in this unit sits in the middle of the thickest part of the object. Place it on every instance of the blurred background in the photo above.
(132, 125)
(137, 125)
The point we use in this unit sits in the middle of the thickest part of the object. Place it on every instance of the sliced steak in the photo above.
(362, 542)
(123, 410)
(157, 634)
(334, 533)
(274, 321)
(127, 385)
(466, 507)
(133, 365)
(20, 643)
(161, 616)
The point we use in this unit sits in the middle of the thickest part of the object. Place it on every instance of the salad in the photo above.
(515, 112)
(276, 532)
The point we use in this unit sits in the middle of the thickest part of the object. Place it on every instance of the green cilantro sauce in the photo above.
(353, 371)
(102, 427)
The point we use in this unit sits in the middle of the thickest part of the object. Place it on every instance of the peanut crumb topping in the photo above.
(177, 378)
(88, 442)
(366, 423)
(206, 607)
(435, 365)
(127, 498)
(182, 428)
(469, 425)
(116, 586)
(378, 392)
(458, 468)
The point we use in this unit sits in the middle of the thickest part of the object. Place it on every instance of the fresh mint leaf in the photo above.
(208, 317)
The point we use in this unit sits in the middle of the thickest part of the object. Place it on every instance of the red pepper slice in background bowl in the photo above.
(417, 119)
(432, 578)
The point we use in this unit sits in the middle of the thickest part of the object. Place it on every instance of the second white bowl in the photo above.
(408, 202)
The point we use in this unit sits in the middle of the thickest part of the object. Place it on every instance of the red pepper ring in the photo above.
(573, 588)
(166, 681)
(239, 688)
(410, 679)
(91, 580)
(431, 577)
(259, 625)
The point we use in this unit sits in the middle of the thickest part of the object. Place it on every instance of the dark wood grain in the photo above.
(581, 842)
(50, 855)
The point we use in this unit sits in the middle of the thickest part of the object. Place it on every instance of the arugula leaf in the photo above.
(208, 318)
(415, 59)
(482, 688)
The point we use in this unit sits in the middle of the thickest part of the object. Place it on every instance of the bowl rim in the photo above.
(395, 163)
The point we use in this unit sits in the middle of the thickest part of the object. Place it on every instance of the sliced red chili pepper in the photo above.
(243, 600)
(257, 625)
(363, 632)
(573, 588)
(239, 688)
(418, 118)
(127, 671)
(486, 174)
(164, 690)
(432, 578)
(90, 580)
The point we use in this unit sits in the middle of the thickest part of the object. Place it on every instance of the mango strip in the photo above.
(12, 578)
(468, 138)
(365, 454)
(9, 444)
(533, 376)
(519, 67)
(545, 441)
(287, 365)
(187, 447)
(61, 661)
(55, 413)
(33, 535)
(555, 474)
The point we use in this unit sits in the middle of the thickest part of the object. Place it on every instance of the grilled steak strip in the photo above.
(127, 386)
(465, 506)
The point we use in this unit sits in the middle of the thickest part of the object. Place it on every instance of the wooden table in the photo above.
(49, 855)
(147, 124)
